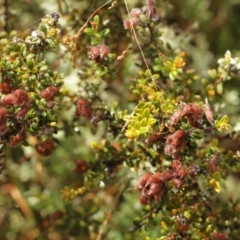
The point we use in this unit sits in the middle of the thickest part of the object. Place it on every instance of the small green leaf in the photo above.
(96, 19)
(157, 68)
(30, 63)
(173, 75)
(115, 106)
(155, 76)
(151, 121)
(144, 130)
(220, 88)
(31, 55)
(16, 63)
(222, 124)
(43, 68)
(146, 112)
(224, 119)
(105, 32)
(43, 28)
(212, 73)
(95, 42)
(217, 176)
(143, 122)
(89, 31)
(214, 143)
(148, 73)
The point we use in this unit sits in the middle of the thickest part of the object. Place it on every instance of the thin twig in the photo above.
(120, 189)
(29, 25)
(161, 55)
(102, 227)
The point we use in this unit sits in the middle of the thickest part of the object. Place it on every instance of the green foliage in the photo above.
(111, 129)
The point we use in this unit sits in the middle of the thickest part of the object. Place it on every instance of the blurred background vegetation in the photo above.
(31, 206)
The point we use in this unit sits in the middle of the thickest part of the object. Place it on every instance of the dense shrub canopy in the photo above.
(119, 120)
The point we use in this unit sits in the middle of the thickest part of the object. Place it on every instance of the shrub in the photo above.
(138, 146)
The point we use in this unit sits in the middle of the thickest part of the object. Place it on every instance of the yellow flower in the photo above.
(67, 193)
(97, 146)
(178, 62)
(53, 32)
(215, 184)
(131, 134)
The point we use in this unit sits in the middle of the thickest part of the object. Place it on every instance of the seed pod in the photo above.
(183, 228)
(135, 12)
(127, 24)
(196, 109)
(155, 178)
(155, 137)
(23, 111)
(209, 113)
(178, 183)
(194, 121)
(21, 96)
(2, 115)
(167, 175)
(9, 100)
(18, 138)
(213, 163)
(49, 93)
(175, 143)
(103, 51)
(151, 187)
(182, 173)
(143, 181)
(3, 128)
(175, 118)
(219, 236)
(154, 189)
(176, 164)
(186, 109)
(45, 148)
(81, 166)
(143, 200)
(135, 18)
(150, 9)
(83, 108)
(93, 52)
(5, 87)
